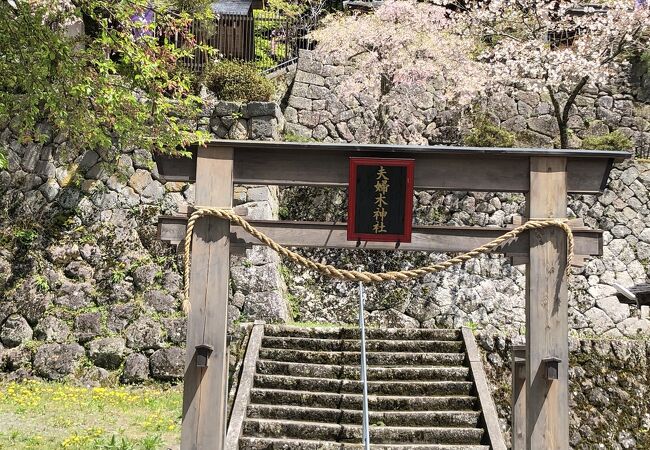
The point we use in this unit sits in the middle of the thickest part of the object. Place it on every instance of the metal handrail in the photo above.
(281, 66)
(364, 374)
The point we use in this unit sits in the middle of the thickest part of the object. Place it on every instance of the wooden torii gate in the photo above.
(546, 177)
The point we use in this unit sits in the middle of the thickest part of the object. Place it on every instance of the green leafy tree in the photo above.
(121, 82)
(295, 8)
(288, 7)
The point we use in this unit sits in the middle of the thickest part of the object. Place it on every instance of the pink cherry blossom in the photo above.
(405, 43)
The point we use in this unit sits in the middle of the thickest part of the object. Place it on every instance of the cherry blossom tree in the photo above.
(403, 46)
(557, 47)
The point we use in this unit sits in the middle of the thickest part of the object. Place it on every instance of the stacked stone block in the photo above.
(86, 289)
(421, 116)
(608, 386)
(488, 292)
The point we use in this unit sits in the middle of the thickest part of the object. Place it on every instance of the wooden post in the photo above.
(547, 415)
(518, 429)
(204, 399)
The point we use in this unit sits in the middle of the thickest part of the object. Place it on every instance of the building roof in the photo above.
(362, 4)
(236, 7)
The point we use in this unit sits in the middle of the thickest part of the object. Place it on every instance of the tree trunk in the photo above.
(564, 134)
(562, 126)
(562, 113)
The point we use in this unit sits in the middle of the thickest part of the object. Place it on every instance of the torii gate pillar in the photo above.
(204, 394)
(547, 411)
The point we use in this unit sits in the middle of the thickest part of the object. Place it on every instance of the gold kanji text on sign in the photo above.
(381, 189)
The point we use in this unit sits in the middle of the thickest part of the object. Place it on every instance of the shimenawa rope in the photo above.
(354, 275)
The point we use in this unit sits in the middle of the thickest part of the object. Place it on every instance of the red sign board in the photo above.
(380, 199)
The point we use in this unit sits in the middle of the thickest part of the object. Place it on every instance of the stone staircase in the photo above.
(306, 395)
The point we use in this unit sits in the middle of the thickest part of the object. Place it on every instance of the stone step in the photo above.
(307, 394)
(352, 433)
(261, 443)
(428, 388)
(373, 358)
(354, 401)
(469, 419)
(351, 345)
(458, 373)
(371, 333)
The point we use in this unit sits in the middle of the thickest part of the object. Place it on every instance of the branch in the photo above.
(621, 47)
(499, 33)
(572, 98)
(531, 12)
(365, 50)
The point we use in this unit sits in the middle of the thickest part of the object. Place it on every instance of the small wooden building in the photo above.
(235, 30)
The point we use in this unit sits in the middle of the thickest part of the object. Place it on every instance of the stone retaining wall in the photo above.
(420, 116)
(86, 288)
(488, 292)
(608, 390)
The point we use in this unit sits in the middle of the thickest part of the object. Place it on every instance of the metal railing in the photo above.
(643, 149)
(364, 370)
(265, 39)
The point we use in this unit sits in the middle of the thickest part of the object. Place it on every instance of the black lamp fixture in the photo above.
(203, 353)
(552, 367)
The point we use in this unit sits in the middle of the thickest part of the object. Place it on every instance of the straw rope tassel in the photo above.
(354, 275)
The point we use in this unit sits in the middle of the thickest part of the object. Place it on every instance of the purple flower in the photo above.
(142, 21)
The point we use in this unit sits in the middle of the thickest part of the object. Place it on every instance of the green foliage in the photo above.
(294, 306)
(486, 134)
(269, 50)
(645, 57)
(32, 345)
(293, 302)
(118, 276)
(288, 7)
(283, 213)
(3, 160)
(116, 444)
(25, 236)
(611, 141)
(237, 81)
(645, 60)
(267, 55)
(304, 8)
(432, 214)
(118, 83)
(152, 442)
(41, 283)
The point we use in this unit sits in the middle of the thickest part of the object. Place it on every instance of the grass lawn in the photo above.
(38, 415)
